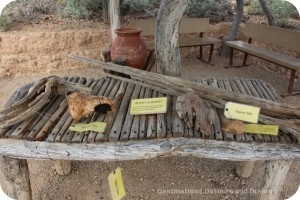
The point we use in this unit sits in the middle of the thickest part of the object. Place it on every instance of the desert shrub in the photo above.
(27, 10)
(4, 23)
(148, 8)
(216, 10)
(78, 9)
(280, 9)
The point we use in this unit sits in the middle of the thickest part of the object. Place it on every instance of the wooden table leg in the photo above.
(244, 169)
(15, 177)
(276, 172)
(62, 167)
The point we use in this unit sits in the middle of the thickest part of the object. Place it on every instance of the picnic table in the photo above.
(46, 134)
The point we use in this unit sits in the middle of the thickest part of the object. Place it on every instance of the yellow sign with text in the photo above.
(241, 112)
(262, 129)
(116, 184)
(94, 126)
(148, 106)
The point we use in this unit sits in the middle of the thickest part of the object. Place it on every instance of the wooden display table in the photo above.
(46, 134)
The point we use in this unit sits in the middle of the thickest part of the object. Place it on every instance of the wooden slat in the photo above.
(161, 122)
(126, 127)
(135, 128)
(280, 36)
(68, 135)
(116, 129)
(116, 93)
(273, 91)
(177, 123)
(105, 83)
(151, 122)
(281, 137)
(169, 117)
(143, 118)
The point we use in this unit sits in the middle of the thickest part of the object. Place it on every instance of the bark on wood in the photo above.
(191, 107)
(15, 175)
(145, 149)
(217, 97)
(168, 60)
(234, 28)
(267, 11)
(276, 172)
(38, 95)
(114, 11)
(105, 10)
(62, 167)
(244, 169)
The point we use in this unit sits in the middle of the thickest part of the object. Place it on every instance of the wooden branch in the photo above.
(145, 149)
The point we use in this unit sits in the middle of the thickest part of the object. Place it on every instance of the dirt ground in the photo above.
(38, 50)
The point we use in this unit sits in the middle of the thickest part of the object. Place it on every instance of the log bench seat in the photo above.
(187, 26)
(140, 136)
(273, 35)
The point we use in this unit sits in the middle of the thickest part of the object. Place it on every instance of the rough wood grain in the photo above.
(15, 174)
(143, 118)
(135, 128)
(62, 167)
(244, 169)
(133, 150)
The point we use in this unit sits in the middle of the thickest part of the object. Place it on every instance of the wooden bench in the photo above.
(130, 137)
(187, 26)
(278, 36)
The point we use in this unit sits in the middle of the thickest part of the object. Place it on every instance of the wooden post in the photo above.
(168, 60)
(62, 167)
(15, 178)
(276, 172)
(114, 12)
(244, 169)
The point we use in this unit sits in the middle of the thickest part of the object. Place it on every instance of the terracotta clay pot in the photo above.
(129, 46)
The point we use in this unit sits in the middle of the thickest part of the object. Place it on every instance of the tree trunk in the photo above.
(268, 13)
(234, 27)
(105, 6)
(114, 11)
(168, 60)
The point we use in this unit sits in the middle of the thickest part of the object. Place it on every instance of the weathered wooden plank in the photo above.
(146, 149)
(281, 137)
(68, 135)
(104, 85)
(126, 126)
(151, 122)
(169, 120)
(162, 122)
(177, 123)
(116, 94)
(116, 129)
(135, 128)
(272, 91)
(143, 118)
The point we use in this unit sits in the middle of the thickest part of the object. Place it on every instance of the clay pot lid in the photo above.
(128, 30)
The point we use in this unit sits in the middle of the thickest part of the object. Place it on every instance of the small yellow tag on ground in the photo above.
(262, 129)
(116, 184)
(94, 126)
(148, 106)
(241, 112)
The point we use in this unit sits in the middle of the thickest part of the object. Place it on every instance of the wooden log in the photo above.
(114, 14)
(145, 149)
(276, 172)
(62, 167)
(244, 169)
(15, 175)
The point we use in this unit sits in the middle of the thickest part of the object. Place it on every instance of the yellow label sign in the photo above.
(148, 106)
(94, 126)
(116, 184)
(241, 112)
(262, 129)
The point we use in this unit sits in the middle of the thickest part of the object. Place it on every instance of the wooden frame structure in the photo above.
(274, 35)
